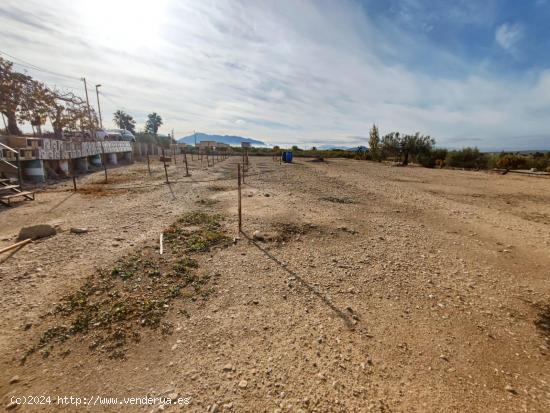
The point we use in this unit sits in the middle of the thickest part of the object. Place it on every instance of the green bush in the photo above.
(432, 158)
(468, 158)
(508, 161)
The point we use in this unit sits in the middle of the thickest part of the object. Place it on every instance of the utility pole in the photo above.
(89, 110)
(98, 105)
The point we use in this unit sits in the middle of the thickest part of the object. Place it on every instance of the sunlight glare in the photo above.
(125, 25)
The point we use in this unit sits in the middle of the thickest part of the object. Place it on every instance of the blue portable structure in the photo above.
(287, 156)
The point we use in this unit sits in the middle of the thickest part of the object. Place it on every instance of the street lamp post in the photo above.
(98, 105)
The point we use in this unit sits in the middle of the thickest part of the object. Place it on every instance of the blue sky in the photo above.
(302, 72)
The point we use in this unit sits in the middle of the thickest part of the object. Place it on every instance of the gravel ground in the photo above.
(367, 288)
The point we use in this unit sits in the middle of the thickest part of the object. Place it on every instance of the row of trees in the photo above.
(421, 149)
(24, 99)
(125, 121)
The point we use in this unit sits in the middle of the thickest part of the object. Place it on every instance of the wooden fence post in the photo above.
(165, 168)
(239, 194)
(185, 160)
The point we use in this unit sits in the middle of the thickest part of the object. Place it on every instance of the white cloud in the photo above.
(508, 36)
(284, 72)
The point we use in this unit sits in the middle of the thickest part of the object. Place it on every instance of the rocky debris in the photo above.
(36, 232)
(510, 389)
(77, 230)
(14, 379)
(346, 229)
(243, 384)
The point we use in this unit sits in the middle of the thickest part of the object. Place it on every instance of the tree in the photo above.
(414, 145)
(374, 143)
(125, 121)
(154, 122)
(67, 111)
(390, 145)
(36, 102)
(12, 85)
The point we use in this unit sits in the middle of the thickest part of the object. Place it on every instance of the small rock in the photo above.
(228, 367)
(174, 347)
(243, 384)
(172, 396)
(76, 230)
(11, 405)
(215, 408)
(14, 379)
(258, 236)
(510, 389)
(36, 232)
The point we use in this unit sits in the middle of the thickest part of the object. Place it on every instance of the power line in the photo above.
(34, 67)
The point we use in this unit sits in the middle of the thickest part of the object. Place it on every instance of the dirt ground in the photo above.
(369, 288)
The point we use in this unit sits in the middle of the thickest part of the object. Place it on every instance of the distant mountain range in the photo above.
(229, 139)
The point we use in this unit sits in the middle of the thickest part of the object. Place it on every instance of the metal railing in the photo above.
(18, 160)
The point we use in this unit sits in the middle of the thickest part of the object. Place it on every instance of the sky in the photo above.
(466, 72)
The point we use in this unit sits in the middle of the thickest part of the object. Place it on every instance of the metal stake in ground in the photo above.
(239, 194)
(243, 173)
(148, 163)
(74, 182)
(165, 168)
(185, 160)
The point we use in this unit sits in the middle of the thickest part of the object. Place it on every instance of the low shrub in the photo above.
(468, 158)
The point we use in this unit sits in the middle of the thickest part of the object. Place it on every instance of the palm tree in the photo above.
(124, 121)
(154, 121)
(118, 118)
